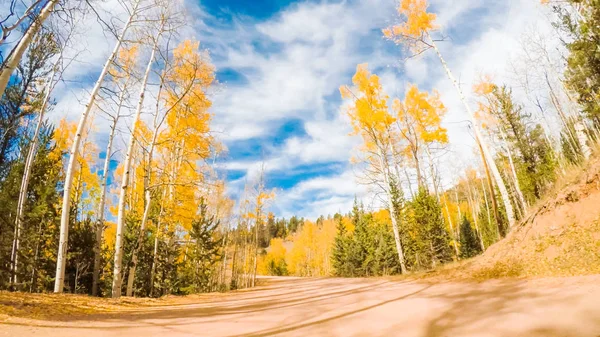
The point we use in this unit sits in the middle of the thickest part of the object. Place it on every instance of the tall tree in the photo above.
(372, 121)
(116, 290)
(415, 33)
(14, 58)
(66, 204)
(24, 98)
(122, 75)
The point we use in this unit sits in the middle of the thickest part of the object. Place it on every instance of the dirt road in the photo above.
(357, 307)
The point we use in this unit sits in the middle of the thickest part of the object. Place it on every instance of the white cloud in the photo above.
(294, 63)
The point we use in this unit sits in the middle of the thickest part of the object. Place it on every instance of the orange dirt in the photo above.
(559, 237)
(355, 307)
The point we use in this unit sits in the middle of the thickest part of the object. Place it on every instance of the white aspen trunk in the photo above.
(61, 260)
(386, 180)
(573, 140)
(17, 53)
(397, 167)
(102, 203)
(244, 264)
(513, 171)
(116, 287)
(27, 173)
(156, 239)
(223, 273)
(255, 262)
(459, 212)
(582, 138)
(433, 175)
(451, 228)
(475, 214)
(486, 152)
(476, 222)
(410, 190)
(148, 197)
(487, 206)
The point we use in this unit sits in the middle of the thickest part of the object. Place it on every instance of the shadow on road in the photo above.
(313, 307)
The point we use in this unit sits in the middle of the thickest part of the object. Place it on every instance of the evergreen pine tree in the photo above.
(469, 243)
(339, 254)
(203, 253)
(434, 244)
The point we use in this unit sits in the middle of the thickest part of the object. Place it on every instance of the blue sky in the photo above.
(280, 65)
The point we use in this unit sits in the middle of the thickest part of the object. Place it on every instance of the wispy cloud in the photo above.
(289, 66)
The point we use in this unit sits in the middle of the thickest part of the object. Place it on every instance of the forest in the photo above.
(146, 212)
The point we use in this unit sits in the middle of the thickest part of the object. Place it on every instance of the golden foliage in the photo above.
(417, 23)
(275, 255)
(484, 90)
(311, 251)
(369, 114)
(423, 112)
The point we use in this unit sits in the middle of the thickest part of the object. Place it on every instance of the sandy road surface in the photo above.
(358, 307)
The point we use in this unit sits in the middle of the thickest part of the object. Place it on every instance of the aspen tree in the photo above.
(484, 89)
(17, 53)
(126, 64)
(371, 120)
(7, 29)
(116, 287)
(415, 33)
(53, 79)
(66, 202)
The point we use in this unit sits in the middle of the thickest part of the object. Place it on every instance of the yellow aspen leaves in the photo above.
(369, 115)
(417, 23)
(423, 112)
(126, 61)
(63, 138)
(484, 90)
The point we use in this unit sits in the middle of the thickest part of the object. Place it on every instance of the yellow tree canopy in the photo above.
(417, 22)
(484, 90)
(424, 112)
(368, 114)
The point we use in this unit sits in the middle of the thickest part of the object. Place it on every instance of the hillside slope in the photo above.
(559, 237)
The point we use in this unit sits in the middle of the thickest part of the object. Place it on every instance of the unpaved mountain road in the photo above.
(357, 307)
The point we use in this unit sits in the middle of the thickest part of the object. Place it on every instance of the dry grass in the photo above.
(57, 306)
(560, 237)
(68, 306)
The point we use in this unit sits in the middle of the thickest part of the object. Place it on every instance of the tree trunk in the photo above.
(487, 207)
(513, 171)
(102, 203)
(234, 273)
(27, 172)
(582, 138)
(452, 229)
(491, 190)
(482, 145)
(116, 287)
(223, 272)
(148, 196)
(32, 286)
(476, 220)
(156, 238)
(433, 175)
(66, 204)
(393, 213)
(255, 262)
(17, 53)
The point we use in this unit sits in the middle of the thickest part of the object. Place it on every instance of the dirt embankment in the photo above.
(559, 237)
